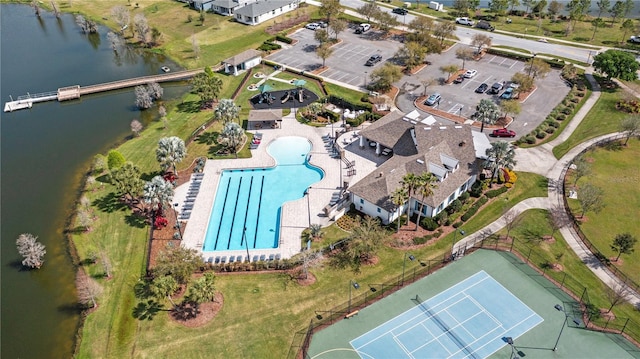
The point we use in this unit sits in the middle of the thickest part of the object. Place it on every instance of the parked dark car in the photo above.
(458, 79)
(496, 87)
(400, 11)
(373, 60)
(503, 132)
(482, 88)
(485, 25)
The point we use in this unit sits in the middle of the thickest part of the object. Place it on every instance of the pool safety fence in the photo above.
(528, 258)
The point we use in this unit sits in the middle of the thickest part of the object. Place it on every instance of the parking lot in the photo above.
(461, 99)
(347, 63)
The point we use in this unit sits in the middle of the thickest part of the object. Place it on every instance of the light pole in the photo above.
(564, 323)
(175, 213)
(531, 64)
(246, 243)
(352, 283)
(365, 80)
(404, 263)
(307, 192)
(455, 234)
(514, 353)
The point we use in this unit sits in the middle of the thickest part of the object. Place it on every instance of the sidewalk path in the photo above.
(541, 160)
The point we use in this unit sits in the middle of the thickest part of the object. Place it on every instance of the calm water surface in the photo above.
(43, 153)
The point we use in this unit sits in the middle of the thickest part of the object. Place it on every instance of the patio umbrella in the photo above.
(299, 83)
(264, 88)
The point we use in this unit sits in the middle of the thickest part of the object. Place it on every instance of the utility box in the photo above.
(436, 6)
(407, 5)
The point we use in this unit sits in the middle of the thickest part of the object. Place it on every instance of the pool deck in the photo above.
(295, 216)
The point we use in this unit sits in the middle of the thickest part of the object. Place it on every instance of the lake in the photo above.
(44, 152)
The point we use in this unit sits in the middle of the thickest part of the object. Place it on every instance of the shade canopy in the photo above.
(299, 82)
(265, 87)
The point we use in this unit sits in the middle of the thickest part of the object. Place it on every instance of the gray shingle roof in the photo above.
(242, 57)
(227, 4)
(262, 7)
(454, 142)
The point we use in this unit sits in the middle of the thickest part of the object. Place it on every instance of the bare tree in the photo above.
(84, 219)
(324, 51)
(337, 26)
(36, 7)
(56, 11)
(114, 40)
(426, 83)
(121, 16)
(143, 97)
(511, 220)
(31, 250)
(616, 295)
(88, 289)
(136, 127)
(558, 218)
(310, 259)
(142, 29)
(464, 54)
(590, 198)
(195, 47)
(582, 169)
(480, 41)
(155, 90)
(106, 263)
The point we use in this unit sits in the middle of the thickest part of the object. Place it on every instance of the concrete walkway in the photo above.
(541, 160)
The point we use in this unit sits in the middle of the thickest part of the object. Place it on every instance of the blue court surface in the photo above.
(468, 320)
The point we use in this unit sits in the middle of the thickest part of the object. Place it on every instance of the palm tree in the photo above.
(171, 150)
(500, 155)
(409, 183)
(226, 111)
(202, 290)
(487, 113)
(163, 287)
(427, 185)
(399, 197)
(232, 137)
(157, 193)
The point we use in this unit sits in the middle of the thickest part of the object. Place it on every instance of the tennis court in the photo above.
(468, 320)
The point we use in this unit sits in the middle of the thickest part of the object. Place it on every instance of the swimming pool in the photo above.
(248, 201)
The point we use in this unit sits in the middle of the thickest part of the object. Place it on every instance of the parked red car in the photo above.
(503, 132)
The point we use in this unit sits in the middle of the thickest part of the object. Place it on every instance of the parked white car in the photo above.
(635, 39)
(470, 73)
(312, 26)
(464, 21)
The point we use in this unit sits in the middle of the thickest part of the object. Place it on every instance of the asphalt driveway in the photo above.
(347, 63)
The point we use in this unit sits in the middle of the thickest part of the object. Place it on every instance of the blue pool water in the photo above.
(252, 198)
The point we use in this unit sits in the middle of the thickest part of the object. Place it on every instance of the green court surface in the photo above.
(519, 279)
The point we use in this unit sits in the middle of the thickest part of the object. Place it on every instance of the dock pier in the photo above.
(74, 92)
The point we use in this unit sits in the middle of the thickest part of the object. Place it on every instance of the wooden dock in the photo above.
(74, 92)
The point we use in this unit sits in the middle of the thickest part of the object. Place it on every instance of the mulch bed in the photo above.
(187, 315)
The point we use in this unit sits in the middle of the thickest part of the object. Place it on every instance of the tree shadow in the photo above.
(77, 230)
(17, 264)
(207, 138)
(136, 220)
(543, 182)
(142, 289)
(71, 308)
(185, 311)
(149, 175)
(103, 178)
(531, 235)
(110, 203)
(189, 106)
(146, 310)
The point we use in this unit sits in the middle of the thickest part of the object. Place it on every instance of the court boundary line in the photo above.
(445, 306)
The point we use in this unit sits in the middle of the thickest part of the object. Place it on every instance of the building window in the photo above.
(379, 211)
(361, 201)
(452, 197)
(464, 187)
(273, 12)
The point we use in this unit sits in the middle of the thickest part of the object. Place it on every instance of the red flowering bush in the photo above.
(160, 222)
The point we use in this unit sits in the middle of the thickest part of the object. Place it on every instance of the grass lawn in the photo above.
(602, 119)
(533, 224)
(616, 172)
(219, 37)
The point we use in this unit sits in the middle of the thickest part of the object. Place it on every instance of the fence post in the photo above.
(563, 278)
(607, 323)
(529, 255)
(624, 326)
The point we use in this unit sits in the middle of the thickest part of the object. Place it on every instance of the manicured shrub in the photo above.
(550, 129)
(464, 197)
(419, 240)
(566, 111)
(561, 117)
(495, 192)
(476, 189)
(429, 223)
(457, 224)
(284, 39)
(530, 140)
(473, 209)
(554, 124)
(454, 206)
(541, 135)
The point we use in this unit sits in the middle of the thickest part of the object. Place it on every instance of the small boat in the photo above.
(165, 69)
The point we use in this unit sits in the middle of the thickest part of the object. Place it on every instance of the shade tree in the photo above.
(383, 77)
(324, 51)
(177, 262)
(127, 180)
(226, 111)
(590, 199)
(88, 289)
(616, 64)
(623, 243)
(157, 194)
(206, 85)
(499, 155)
(232, 137)
(630, 126)
(487, 112)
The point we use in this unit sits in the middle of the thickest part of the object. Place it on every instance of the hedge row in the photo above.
(496, 192)
(473, 209)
